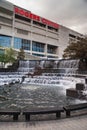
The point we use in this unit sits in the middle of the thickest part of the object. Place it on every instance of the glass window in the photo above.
(71, 35)
(21, 43)
(5, 41)
(25, 44)
(38, 55)
(17, 43)
(22, 18)
(53, 29)
(36, 46)
(39, 24)
(51, 56)
(51, 49)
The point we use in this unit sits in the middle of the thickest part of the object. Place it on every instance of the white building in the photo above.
(20, 28)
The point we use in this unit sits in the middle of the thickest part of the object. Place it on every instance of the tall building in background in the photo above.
(40, 37)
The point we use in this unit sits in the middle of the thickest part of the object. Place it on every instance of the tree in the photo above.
(9, 55)
(21, 54)
(2, 59)
(77, 50)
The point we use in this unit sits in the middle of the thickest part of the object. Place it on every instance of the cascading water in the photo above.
(42, 63)
(66, 66)
(52, 81)
(26, 66)
(68, 63)
(55, 66)
(69, 66)
(44, 91)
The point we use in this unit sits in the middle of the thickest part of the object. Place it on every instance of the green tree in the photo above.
(9, 55)
(2, 59)
(77, 50)
(21, 54)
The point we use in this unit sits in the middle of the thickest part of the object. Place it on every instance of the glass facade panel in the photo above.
(38, 55)
(21, 43)
(5, 41)
(51, 49)
(52, 57)
(36, 46)
(17, 43)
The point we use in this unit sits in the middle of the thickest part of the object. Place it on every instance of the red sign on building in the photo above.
(30, 15)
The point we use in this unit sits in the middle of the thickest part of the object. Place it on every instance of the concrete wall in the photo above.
(6, 5)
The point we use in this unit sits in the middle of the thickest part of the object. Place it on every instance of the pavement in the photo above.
(72, 123)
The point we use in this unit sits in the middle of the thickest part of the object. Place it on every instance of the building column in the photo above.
(45, 50)
(13, 30)
(31, 38)
(46, 42)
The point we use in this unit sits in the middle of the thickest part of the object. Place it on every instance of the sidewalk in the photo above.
(73, 123)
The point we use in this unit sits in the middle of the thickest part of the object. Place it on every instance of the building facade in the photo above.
(20, 28)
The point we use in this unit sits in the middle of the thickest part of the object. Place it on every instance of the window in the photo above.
(17, 43)
(39, 24)
(51, 56)
(22, 18)
(38, 55)
(71, 35)
(25, 44)
(36, 46)
(5, 41)
(51, 49)
(53, 29)
(22, 31)
(21, 43)
(5, 20)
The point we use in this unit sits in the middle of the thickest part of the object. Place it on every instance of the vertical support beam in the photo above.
(31, 37)
(27, 117)
(58, 114)
(67, 113)
(45, 50)
(13, 30)
(46, 42)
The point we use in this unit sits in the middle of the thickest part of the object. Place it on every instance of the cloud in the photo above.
(65, 12)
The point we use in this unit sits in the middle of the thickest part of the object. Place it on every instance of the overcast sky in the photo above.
(70, 13)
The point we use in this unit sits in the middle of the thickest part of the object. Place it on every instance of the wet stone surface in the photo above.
(21, 96)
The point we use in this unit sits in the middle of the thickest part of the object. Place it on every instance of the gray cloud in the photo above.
(70, 13)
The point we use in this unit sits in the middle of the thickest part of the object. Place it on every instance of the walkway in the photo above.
(73, 123)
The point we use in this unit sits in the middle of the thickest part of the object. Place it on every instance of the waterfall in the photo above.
(26, 66)
(56, 64)
(70, 66)
(62, 66)
(42, 64)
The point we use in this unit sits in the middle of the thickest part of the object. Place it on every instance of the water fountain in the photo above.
(69, 66)
(46, 90)
(26, 66)
(66, 68)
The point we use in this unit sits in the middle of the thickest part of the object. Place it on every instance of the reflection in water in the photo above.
(32, 96)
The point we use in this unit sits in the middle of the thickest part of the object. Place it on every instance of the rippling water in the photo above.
(32, 96)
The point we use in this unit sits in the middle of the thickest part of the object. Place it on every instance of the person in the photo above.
(23, 78)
